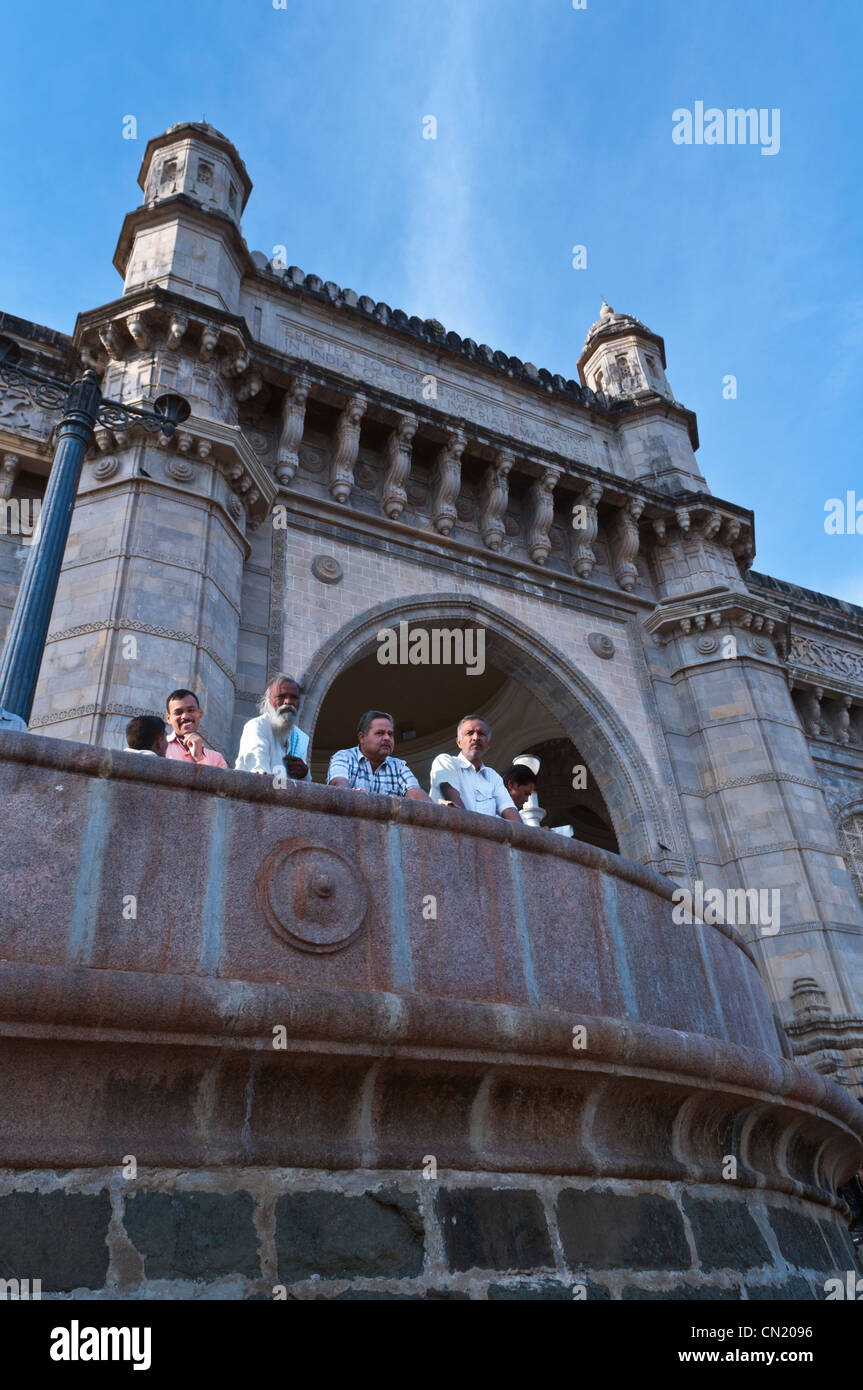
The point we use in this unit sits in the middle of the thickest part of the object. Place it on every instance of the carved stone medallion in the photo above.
(706, 644)
(180, 470)
(601, 645)
(327, 569)
(313, 898)
(105, 468)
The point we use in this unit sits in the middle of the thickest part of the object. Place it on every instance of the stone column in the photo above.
(397, 457)
(447, 482)
(346, 449)
(753, 799)
(495, 498)
(149, 592)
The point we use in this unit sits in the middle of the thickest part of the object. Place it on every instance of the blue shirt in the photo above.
(392, 777)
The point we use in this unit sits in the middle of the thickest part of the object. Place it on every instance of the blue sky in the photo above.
(554, 129)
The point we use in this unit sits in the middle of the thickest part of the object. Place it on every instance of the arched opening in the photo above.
(531, 694)
(426, 704)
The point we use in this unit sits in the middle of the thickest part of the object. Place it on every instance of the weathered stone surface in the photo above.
(193, 1235)
(55, 1237)
(546, 1292)
(708, 1293)
(800, 1240)
(606, 1230)
(336, 1236)
(488, 1229)
(725, 1234)
(794, 1288)
(839, 1244)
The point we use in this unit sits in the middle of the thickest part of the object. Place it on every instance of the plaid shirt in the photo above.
(393, 777)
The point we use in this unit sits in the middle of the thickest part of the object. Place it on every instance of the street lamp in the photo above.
(83, 407)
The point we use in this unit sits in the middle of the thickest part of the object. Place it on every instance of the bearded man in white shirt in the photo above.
(273, 742)
(463, 780)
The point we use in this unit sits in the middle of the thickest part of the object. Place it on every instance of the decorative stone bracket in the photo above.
(765, 627)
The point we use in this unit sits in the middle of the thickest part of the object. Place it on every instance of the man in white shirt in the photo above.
(11, 723)
(146, 734)
(273, 743)
(463, 780)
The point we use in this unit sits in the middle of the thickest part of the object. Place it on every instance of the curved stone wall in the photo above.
(324, 1012)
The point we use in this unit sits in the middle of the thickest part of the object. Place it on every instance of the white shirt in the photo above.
(261, 749)
(145, 752)
(10, 722)
(481, 790)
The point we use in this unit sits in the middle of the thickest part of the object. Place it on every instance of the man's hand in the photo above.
(296, 767)
(194, 744)
(452, 796)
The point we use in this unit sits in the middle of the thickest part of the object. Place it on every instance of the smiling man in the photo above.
(464, 781)
(370, 767)
(274, 742)
(184, 714)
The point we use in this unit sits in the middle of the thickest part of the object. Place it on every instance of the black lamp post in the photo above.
(83, 408)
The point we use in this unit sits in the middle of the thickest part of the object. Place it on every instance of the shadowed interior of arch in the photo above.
(426, 703)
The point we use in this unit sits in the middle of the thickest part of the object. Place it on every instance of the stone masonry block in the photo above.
(193, 1235)
(57, 1237)
(610, 1230)
(487, 1229)
(334, 1236)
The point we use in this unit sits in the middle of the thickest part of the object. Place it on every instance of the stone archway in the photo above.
(613, 756)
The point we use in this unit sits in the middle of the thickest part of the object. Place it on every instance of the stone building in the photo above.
(347, 469)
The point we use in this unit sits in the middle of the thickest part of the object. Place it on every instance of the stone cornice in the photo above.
(684, 617)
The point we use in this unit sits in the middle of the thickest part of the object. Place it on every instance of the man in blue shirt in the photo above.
(370, 767)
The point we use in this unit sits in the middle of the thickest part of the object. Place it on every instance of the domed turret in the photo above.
(621, 357)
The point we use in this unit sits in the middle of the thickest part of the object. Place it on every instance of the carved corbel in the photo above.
(659, 531)
(495, 497)
(684, 520)
(585, 523)
(209, 340)
(249, 386)
(624, 543)
(237, 363)
(110, 337)
(138, 331)
(712, 523)
(397, 457)
(730, 531)
(8, 474)
(203, 449)
(843, 718)
(347, 447)
(184, 441)
(447, 482)
(810, 711)
(293, 424)
(179, 324)
(541, 514)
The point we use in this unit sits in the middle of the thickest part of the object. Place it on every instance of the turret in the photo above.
(186, 235)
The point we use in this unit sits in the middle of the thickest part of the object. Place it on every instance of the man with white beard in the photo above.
(273, 742)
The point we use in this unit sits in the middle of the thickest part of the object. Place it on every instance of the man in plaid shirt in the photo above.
(370, 767)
